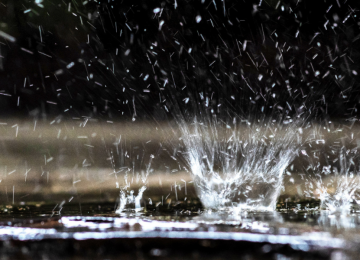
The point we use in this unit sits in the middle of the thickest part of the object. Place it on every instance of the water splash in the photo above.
(128, 198)
(335, 181)
(136, 175)
(337, 192)
(238, 165)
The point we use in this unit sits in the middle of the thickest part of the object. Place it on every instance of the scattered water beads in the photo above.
(239, 167)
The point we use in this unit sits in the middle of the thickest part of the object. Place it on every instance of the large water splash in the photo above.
(239, 165)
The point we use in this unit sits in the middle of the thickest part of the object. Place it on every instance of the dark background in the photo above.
(107, 79)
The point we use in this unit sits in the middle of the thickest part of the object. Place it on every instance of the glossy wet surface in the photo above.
(93, 230)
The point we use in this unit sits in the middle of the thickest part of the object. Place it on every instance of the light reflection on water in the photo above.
(81, 228)
(305, 231)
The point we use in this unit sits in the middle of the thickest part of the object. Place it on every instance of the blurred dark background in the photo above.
(144, 59)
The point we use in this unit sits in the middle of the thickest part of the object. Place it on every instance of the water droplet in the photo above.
(198, 19)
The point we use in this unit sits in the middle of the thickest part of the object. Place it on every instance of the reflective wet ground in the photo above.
(182, 231)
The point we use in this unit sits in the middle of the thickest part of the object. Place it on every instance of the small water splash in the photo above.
(335, 180)
(127, 198)
(129, 201)
(337, 192)
(135, 170)
(239, 166)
